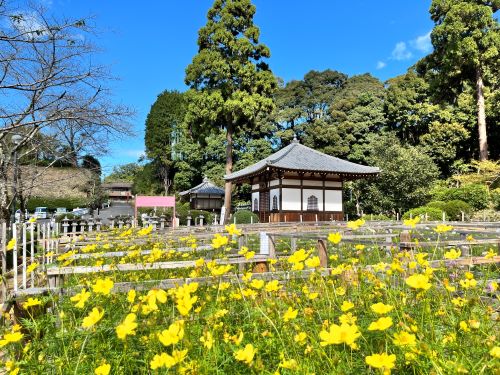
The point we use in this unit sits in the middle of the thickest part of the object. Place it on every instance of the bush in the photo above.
(455, 208)
(245, 217)
(437, 204)
(53, 203)
(378, 217)
(433, 214)
(495, 198)
(475, 195)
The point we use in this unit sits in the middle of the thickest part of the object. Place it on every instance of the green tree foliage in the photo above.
(406, 177)
(164, 128)
(466, 40)
(228, 79)
(125, 172)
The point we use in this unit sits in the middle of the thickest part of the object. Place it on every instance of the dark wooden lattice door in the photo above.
(264, 206)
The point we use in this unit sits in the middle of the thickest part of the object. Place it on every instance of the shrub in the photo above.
(244, 217)
(433, 214)
(53, 203)
(437, 204)
(378, 217)
(495, 198)
(455, 208)
(475, 195)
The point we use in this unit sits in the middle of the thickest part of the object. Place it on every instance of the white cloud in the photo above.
(29, 24)
(422, 43)
(401, 52)
(381, 65)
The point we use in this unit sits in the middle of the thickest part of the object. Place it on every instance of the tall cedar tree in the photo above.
(229, 83)
(466, 42)
(163, 130)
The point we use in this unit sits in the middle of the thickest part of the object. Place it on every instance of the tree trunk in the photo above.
(481, 117)
(229, 170)
(4, 199)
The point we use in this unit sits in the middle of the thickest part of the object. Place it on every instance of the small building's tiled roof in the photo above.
(300, 158)
(118, 184)
(206, 187)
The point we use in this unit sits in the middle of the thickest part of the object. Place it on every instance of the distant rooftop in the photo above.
(118, 184)
(206, 187)
(299, 158)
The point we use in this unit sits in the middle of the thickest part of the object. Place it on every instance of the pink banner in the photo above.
(151, 201)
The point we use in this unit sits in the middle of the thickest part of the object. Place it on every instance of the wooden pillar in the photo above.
(322, 253)
(281, 197)
(301, 193)
(324, 197)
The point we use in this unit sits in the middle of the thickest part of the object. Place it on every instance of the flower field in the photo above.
(372, 310)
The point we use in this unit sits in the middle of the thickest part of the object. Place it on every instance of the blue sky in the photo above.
(148, 44)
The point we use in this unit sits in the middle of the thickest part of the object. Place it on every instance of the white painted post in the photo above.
(426, 217)
(301, 218)
(397, 216)
(463, 216)
(24, 258)
(316, 217)
(32, 249)
(14, 256)
(411, 216)
(234, 219)
(251, 219)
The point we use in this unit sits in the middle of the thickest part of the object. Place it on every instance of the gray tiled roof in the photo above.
(297, 157)
(206, 187)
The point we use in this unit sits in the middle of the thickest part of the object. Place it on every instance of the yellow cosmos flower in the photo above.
(490, 254)
(380, 308)
(249, 254)
(290, 314)
(418, 281)
(335, 238)
(11, 244)
(468, 283)
(346, 306)
(412, 222)
(359, 247)
(80, 298)
(290, 364)
(300, 337)
(218, 241)
(31, 302)
(381, 324)
(173, 334)
(383, 361)
(10, 337)
(103, 369)
(298, 256)
(245, 355)
(207, 340)
(168, 361)
(33, 266)
(343, 334)
(273, 286)
(93, 318)
(257, 283)
(495, 352)
(452, 254)
(145, 231)
(404, 338)
(355, 224)
(347, 318)
(313, 262)
(103, 286)
(127, 327)
(232, 230)
(131, 296)
(443, 228)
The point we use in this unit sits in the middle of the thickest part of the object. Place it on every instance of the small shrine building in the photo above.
(205, 196)
(298, 183)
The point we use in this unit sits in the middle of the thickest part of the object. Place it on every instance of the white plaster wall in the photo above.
(255, 186)
(317, 192)
(272, 193)
(274, 182)
(333, 184)
(333, 200)
(289, 181)
(255, 195)
(313, 183)
(291, 199)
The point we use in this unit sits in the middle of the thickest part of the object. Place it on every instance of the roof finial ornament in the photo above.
(295, 140)
(205, 179)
